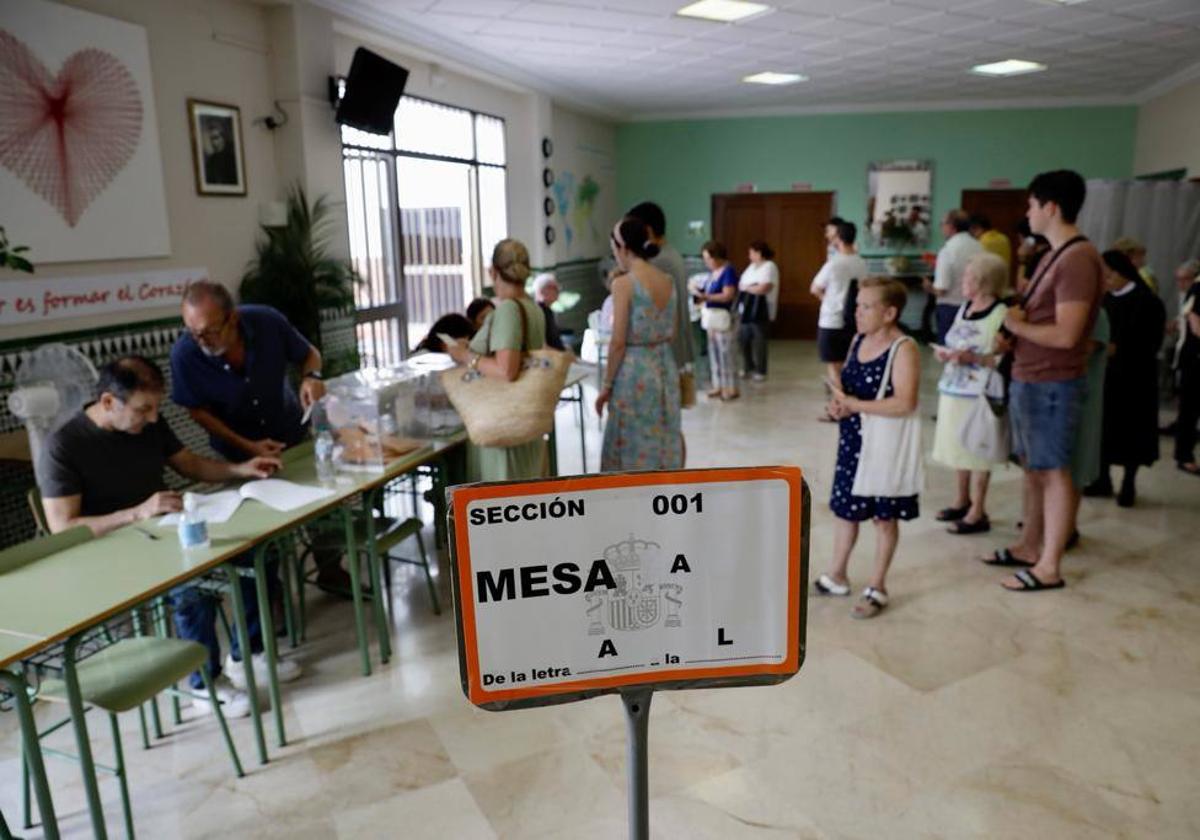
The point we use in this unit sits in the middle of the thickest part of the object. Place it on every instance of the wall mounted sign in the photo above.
(35, 301)
(573, 587)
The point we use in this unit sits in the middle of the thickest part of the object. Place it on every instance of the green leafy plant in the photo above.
(293, 270)
(10, 255)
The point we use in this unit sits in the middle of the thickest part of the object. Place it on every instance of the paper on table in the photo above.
(275, 493)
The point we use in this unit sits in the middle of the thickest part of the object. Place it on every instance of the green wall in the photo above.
(680, 164)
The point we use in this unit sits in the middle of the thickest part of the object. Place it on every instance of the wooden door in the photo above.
(793, 225)
(1005, 209)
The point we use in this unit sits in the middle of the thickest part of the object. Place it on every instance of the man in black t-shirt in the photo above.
(103, 468)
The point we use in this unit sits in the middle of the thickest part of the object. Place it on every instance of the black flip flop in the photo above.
(953, 514)
(963, 527)
(1031, 583)
(1004, 557)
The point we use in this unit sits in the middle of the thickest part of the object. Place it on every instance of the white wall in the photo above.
(584, 158)
(1168, 132)
(208, 49)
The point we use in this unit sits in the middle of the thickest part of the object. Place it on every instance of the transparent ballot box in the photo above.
(379, 414)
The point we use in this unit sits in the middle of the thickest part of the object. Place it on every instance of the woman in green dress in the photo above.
(516, 325)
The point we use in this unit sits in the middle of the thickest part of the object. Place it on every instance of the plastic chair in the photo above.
(128, 674)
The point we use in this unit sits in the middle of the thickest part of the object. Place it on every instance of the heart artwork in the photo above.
(66, 136)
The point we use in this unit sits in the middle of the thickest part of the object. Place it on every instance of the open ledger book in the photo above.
(272, 492)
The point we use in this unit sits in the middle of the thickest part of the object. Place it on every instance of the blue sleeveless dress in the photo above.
(861, 380)
(643, 430)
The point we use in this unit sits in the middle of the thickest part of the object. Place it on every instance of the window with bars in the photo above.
(425, 206)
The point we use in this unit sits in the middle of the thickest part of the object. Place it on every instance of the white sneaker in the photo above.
(759, 377)
(235, 703)
(286, 670)
(742, 374)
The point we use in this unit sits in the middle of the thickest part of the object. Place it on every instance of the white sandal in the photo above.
(825, 585)
(870, 604)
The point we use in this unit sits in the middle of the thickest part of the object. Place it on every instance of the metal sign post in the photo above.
(629, 583)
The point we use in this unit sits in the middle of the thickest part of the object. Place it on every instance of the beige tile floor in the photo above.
(963, 711)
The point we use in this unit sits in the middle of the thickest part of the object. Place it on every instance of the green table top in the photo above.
(67, 592)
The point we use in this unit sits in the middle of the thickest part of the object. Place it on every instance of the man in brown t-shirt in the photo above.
(1050, 330)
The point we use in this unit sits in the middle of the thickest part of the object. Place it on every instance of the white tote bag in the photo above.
(984, 432)
(890, 461)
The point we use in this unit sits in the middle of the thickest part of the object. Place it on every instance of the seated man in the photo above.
(545, 292)
(103, 468)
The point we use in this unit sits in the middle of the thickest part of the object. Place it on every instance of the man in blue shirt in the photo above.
(229, 369)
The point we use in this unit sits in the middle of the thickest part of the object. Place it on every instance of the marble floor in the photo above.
(963, 711)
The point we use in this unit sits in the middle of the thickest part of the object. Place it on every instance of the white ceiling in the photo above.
(634, 58)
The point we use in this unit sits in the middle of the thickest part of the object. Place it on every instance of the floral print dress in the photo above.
(643, 431)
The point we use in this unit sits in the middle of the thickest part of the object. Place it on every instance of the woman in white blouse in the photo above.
(758, 293)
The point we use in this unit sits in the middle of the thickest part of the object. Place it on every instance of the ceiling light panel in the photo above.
(770, 77)
(723, 11)
(1008, 67)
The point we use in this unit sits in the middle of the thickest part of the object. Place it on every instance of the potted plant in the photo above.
(294, 272)
(11, 255)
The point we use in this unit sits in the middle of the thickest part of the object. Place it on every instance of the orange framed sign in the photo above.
(572, 587)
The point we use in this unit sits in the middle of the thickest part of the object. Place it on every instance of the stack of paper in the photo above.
(272, 492)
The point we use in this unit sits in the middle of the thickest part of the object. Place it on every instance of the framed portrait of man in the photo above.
(216, 132)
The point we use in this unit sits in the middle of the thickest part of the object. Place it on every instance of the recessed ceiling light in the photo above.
(1009, 67)
(771, 78)
(722, 10)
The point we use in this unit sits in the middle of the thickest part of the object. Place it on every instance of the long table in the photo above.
(57, 598)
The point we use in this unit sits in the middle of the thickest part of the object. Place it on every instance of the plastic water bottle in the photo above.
(323, 452)
(193, 530)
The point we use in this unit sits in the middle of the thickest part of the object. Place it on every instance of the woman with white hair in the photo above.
(970, 359)
(545, 292)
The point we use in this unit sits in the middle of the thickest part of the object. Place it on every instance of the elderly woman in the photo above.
(758, 298)
(865, 391)
(969, 358)
(718, 296)
(545, 292)
(513, 327)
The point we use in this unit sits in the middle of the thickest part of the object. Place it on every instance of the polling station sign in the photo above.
(567, 588)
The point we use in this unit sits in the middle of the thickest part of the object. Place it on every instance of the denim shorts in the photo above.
(1045, 421)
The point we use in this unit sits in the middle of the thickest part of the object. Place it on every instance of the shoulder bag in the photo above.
(501, 413)
(984, 432)
(889, 462)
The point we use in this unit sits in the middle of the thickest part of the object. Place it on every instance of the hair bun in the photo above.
(511, 259)
(650, 251)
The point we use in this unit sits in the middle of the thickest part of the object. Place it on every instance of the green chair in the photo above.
(126, 675)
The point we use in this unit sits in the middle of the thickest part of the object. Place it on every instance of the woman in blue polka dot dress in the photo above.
(880, 302)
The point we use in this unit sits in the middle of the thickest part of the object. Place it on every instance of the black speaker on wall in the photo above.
(373, 90)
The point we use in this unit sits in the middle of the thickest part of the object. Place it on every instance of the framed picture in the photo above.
(216, 132)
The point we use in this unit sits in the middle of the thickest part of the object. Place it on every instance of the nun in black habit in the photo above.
(1138, 319)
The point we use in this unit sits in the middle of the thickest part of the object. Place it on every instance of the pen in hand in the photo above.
(144, 532)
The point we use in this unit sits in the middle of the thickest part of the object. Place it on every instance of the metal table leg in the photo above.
(266, 623)
(82, 742)
(374, 570)
(15, 683)
(239, 619)
(360, 621)
(582, 431)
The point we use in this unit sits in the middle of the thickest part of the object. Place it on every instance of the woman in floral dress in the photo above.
(641, 382)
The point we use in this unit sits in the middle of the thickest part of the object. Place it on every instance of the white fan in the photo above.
(53, 382)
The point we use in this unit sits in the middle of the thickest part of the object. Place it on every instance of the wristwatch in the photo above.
(313, 374)
(474, 363)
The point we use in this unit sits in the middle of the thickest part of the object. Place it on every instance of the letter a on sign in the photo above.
(687, 578)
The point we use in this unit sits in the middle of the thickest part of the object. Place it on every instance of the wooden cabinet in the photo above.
(1005, 209)
(793, 225)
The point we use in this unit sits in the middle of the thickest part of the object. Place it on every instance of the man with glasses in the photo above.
(229, 369)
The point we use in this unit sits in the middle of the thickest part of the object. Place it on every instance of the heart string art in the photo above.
(66, 136)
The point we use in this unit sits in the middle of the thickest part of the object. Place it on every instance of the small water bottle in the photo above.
(323, 453)
(193, 530)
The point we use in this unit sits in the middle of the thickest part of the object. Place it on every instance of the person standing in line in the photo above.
(1186, 275)
(1188, 367)
(545, 292)
(1136, 251)
(831, 232)
(969, 357)
(835, 286)
(641, 383)
(718, 296)
(1050, 330)
(1137, 321)
(952, 260)
(880, 339)
(758, 290)
(991, 239)
(515, 326)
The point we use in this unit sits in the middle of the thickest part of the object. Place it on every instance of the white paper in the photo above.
(275, 493)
